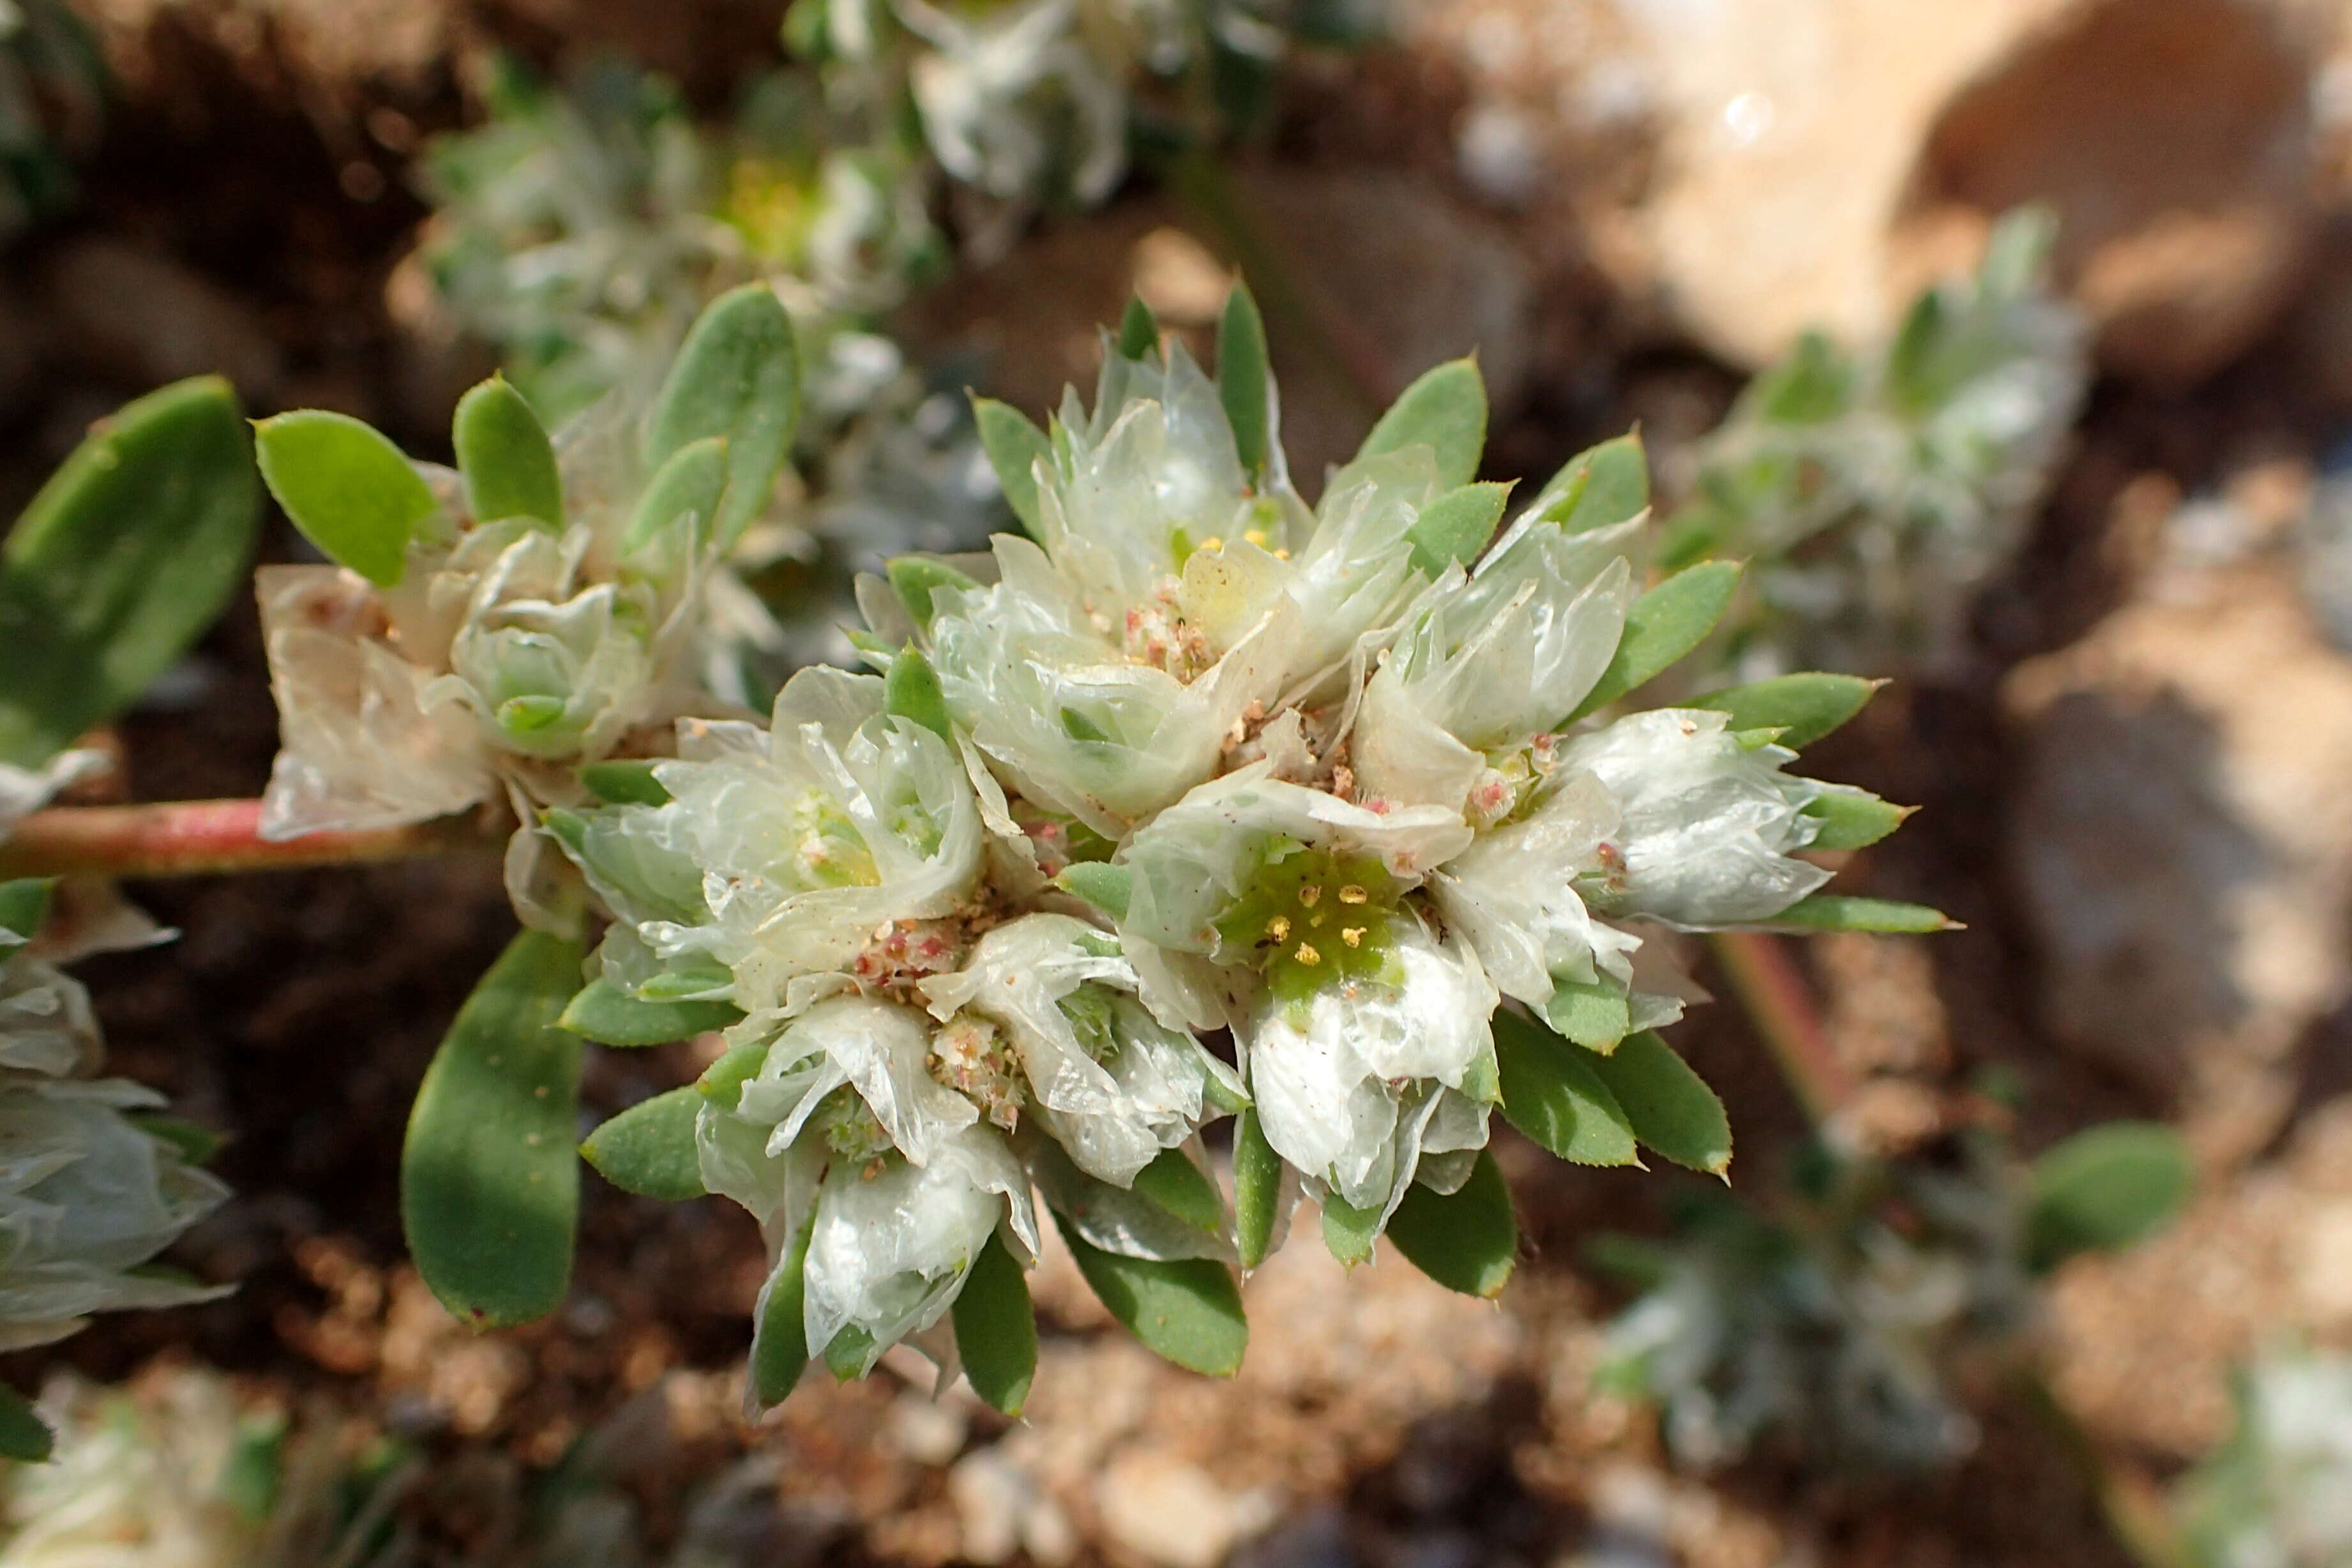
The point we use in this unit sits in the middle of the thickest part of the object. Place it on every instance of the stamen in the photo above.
(1308, 955)
(1354, 936)
(1311, 894)
(1278, 928)
(1352, 894)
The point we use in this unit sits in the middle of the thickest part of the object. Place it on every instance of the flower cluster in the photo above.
(491, 630)
(94, 1184)
(1195, 756)
(1872, 498)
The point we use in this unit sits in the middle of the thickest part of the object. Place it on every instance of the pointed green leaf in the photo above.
(1804, 708)
(996, 1330)
(1811, 385)
(1664, 624)
(24, 1435)
(489, 1186)
(351, 491)
(1839, 912)
(1188, 1311)
(916, 578)
(1468, 1241)
(1100, 883)
(1139, 334)
(692, 482)
(24, 905)
(737, 375)
(780, 1352)
(1670, 1109)
(624, 782)
(1444, 410)
(505, 457)
(122, 562)
(722, 1081)
(850, 1353)
(1245, 379)
(1607, 485)
(1013, 446)
(1852, 818)
(609, 1016)
(1349, 1233)
(2103, 1189)
(195, 1144)
(1457, 526)
(649, 1150)
(1257, 1189)
(1552, 1094)
(1184, 1189)
(911, 690)
(1596, 1015)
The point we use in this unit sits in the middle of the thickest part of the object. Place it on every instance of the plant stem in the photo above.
(2133, 1511)
(201, 838)
(1774, 995)
(1201, 182)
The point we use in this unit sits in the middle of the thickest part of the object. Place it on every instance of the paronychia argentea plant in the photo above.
(1191, 759)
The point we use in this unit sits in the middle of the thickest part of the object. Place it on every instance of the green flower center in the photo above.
(827, 849)
(1313, 917)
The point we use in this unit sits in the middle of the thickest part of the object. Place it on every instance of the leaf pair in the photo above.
(1595, 1108)
(718, 436)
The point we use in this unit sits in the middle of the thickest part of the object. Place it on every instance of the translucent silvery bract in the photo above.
(89, 1194)
(1872, 498)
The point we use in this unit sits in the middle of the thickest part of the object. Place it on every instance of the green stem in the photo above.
(203, 838)
(1201, 182)
(2133, 1511)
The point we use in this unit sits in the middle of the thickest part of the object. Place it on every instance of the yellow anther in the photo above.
(1282, 555)
(1354, 936)
(1256, 536)
(1311, 894)
(1352, 894)
(1213, 543)
(1278, 928)
(1308, 955)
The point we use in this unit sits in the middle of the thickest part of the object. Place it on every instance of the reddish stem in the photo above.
(199, 838)
(1777, 1002)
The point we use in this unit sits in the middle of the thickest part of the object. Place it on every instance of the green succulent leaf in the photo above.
(2103, 1189)
(1257, 1189)
(1607, 485)
(24, 1435)
(1594, 1013)
(1664, 624)
(1670, 1109)
(1468, 1241)
(911, 690)
(779, 1351)
(737, 375)
(996, 1330)
(1187, 1310)
(1457, 526)
(122, 560)
(1101, 884)
(916, 578)
(649, 1150)
(1350, 1233)
(351, 491)
(1245, 379)
(691, 482)
(1444, 410)
(604, 1013)
(1175, 1184)
(193, 1143)
(24, 905)
(722, 1081)
(1013, 446)
(1840, 911)
(630, 781)
(1804, 708)
(1138, 332)
(505, 457)
(490, 1188)
(1552, 1094)
(1853, 818)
